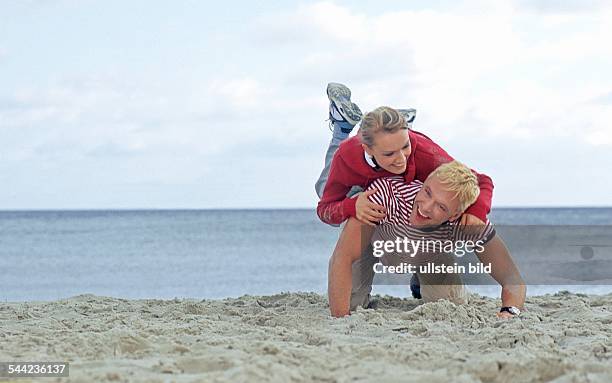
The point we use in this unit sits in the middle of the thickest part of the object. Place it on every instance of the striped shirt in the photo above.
(397, 197)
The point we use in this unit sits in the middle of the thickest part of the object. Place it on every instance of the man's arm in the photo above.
(352, 242)
(504, 271)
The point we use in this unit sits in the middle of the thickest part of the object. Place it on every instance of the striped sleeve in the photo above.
(386, 197)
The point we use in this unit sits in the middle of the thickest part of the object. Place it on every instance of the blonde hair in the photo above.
(382, 119)
(460, 179)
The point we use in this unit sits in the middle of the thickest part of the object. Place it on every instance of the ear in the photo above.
(455, 216)
(367, 149)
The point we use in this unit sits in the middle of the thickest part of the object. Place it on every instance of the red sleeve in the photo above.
(334, 208)
(428, 156)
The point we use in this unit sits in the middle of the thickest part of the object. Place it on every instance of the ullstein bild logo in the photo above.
(432, 268)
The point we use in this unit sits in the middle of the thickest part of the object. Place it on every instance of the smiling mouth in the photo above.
(420, 214)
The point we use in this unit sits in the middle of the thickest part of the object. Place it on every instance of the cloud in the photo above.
(85, 112)
(507, 72)
(310, 24)
(239, 94)
(561, 6)
(464, 71)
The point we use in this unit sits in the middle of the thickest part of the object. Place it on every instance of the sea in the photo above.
(201, 254)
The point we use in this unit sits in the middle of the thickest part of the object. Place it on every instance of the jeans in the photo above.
(329, 156)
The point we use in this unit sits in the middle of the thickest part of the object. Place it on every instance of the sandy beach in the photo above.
(291, 337)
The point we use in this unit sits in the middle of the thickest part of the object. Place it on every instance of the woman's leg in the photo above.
(331, 150)
(343, 116)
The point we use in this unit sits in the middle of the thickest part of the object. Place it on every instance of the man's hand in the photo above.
(369, 212)
(505, 272)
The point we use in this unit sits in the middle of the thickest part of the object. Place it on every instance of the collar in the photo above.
(370, 160)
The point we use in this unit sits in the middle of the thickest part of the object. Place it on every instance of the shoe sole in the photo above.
(409, 115)
(340, 95)
(373, 304)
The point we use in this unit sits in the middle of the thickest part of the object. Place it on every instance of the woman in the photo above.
(385, 146)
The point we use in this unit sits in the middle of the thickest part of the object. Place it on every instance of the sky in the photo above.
(191, 104)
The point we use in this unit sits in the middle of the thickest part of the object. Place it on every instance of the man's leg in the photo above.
(455, 293)
(343, 116)
(443, 286)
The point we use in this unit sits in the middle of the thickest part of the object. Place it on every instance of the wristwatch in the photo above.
(511, 309)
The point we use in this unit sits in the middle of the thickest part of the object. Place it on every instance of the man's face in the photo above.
(434, 205)
(391, 150)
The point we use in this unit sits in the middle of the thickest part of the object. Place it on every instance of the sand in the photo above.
(291, 338)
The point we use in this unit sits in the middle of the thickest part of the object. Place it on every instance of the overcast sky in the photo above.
(192, 104)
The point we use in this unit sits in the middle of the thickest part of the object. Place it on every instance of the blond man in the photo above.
(426, 212)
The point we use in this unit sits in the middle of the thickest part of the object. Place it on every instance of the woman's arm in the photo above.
(428, 156)
(334, 208)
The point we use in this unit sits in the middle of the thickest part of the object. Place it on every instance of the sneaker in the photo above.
(341, 109)
(415, 287)
(409, 115)
(373, 304)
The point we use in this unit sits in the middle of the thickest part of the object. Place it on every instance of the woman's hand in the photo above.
(470, 224)
(470, 220)
(368, 212)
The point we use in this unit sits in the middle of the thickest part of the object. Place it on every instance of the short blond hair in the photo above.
(382, 119)
(458, 178)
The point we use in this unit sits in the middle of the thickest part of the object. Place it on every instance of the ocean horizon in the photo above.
(199, 253)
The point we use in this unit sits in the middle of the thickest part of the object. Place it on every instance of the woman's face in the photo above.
(391, 150)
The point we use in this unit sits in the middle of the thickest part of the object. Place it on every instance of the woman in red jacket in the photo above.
(384, 146)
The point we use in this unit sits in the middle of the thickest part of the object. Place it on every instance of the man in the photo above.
(420, 211)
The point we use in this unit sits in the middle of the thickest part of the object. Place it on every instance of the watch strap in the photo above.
(510, 309)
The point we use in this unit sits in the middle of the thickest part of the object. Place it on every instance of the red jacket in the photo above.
(349, 168)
